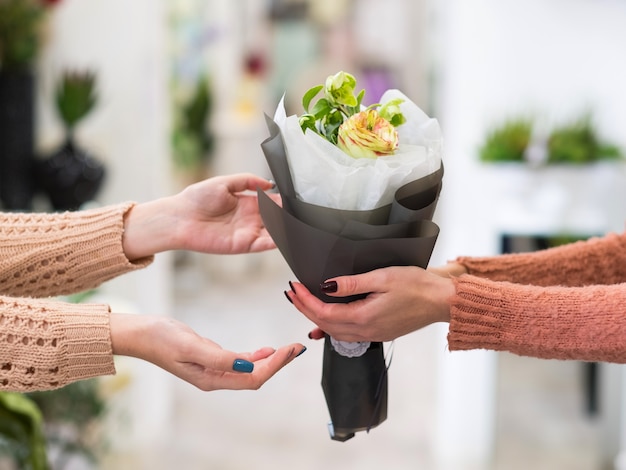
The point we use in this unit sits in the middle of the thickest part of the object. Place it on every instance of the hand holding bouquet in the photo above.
(359, 188)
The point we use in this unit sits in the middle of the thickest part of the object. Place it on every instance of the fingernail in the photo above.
(300, 353)
(310, 335)
(291, 286)
(241, 365)
(273, 183)
(288, 298)
(329, 287)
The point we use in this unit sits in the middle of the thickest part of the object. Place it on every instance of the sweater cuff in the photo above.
(86, 345)
(475, 314)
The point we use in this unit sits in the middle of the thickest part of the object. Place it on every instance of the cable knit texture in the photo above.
(45, 343)
(567, 302)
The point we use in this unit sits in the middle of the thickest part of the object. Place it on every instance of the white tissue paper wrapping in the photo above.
(325, 175)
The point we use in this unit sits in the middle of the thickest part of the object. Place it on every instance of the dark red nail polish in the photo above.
(291, 286)
(310, 335)
(329, 287)
(288, 298)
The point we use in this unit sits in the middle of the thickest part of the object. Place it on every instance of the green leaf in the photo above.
(21, 423)
(307, 121)
(359, 99)
(75, 96)
(397, 120)
(321, 108)
(309, 95)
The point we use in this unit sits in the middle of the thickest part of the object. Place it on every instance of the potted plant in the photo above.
(71, 176)
(565, 179)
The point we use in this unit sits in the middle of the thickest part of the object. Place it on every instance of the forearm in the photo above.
(45, 255)
(46, 344)
(583, 323)
(596, 261)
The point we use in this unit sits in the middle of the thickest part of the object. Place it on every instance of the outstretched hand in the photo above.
(219, 215)
(176, 348)
(399, 300)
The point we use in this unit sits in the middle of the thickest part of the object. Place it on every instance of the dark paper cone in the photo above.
(319, 243)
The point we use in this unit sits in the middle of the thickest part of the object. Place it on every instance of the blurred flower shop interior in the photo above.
(103, 101)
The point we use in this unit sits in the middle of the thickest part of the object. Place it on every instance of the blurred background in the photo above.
(116, 100)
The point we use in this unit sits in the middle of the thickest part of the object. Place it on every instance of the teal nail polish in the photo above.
(241, 365)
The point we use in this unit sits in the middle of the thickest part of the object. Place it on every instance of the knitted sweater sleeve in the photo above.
(562, 303)
(53, 254)
(582, 323)
(595, 261)
(44, 343)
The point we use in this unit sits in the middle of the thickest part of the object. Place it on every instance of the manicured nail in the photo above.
(291, 286)
(288, 298)
(329, 287)
(273, 183)
(300, 353)
(310, 335)
(241, 365)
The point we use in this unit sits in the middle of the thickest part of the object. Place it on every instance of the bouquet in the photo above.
(359, 187)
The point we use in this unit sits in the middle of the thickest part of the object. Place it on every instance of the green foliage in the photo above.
(76, 96)
(578, 142)
(21, 431)
(75, 409)
(338, 104)
(20, 25)
(508, 142)
(192, 141)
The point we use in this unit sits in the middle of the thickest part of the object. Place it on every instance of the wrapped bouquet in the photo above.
(359, 187)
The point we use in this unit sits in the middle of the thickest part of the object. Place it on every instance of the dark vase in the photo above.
(70, 177)
(17, 124)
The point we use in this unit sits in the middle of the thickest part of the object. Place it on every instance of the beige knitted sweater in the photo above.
(567, 302)
(45, 343)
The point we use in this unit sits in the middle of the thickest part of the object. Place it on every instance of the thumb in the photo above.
(344, 286)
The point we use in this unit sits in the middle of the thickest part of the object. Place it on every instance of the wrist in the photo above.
(444, 293)
(127, 333)
(148, 229)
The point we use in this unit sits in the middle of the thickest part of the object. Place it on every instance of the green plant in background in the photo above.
(71, 414)
(21, 31)
(21, 432)
(192, 140)
(578, 142)
(75, 97)
(508, 142)
(20, 25)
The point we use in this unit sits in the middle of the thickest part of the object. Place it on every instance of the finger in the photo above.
(261, 354)
(344, 286)
(264, 369)
(333, 318)
(317, 333)
(247, 181)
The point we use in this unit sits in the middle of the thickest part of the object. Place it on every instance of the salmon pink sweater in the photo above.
(46, 343)
(567, 302)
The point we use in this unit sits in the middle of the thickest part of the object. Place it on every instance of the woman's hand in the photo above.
(218, 215)
(399, 300)
(176, 348)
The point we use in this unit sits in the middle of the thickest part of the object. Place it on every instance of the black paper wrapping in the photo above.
(319, 243)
